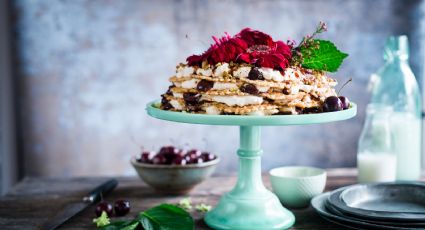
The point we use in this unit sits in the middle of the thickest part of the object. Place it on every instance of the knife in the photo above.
(72, 209)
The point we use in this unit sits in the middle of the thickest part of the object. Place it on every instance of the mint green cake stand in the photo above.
(249, 205)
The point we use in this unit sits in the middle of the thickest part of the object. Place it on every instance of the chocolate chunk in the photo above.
(192, 98)
(204, 85)
(249, 88)
(312, 110)
(165, 104)
(255, 74)
(169, 90)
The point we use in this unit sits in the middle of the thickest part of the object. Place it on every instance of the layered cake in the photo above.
(252, 74)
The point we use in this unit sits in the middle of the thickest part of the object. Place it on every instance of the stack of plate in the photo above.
(374, 206)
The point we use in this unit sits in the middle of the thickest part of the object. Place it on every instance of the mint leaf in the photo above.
(148, 224)
(122, 225)
(161, 217)
(325, 56)
(166, 217)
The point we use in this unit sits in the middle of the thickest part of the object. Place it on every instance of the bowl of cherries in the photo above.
(173, 170)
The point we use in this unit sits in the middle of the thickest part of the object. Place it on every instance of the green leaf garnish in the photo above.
(323, 55)
(161, 217)
(167, 217)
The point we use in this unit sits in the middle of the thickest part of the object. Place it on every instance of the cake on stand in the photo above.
(250, 205)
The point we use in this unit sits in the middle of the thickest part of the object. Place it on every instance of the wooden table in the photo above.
(34, 200)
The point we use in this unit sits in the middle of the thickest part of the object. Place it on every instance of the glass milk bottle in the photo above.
(376, 161)
(395, 85)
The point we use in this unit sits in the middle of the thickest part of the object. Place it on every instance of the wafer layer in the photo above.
(229, 88)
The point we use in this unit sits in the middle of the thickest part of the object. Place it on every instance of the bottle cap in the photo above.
(396, 46)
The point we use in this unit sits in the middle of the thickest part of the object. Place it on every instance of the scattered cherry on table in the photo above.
(103, 206)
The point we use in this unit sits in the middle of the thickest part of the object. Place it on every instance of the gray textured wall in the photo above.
(89, 67)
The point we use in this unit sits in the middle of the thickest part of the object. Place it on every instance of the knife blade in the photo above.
(71, 210)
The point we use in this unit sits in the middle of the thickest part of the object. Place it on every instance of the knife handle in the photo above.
(95, 195)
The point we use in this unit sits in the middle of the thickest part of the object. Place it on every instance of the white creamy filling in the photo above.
(222, 86)
(257, 113)
(263, 89)
(306, 88)
(190, 84)
(178, 95)
(212, 110)
(238, 100)
(290, 74)
(221, 69)
(184, 71)
(307, 99)
(294, 89)
(176, 105)
(242, 72)
(204, 72)
(271, 74)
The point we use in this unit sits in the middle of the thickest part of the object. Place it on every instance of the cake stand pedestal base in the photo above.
(249, 205)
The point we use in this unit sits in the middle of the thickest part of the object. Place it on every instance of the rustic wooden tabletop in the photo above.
(34, 200)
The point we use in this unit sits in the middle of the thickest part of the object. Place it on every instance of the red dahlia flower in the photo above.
(255, 37)
(275, 56)
(249, 46)
(225, 49)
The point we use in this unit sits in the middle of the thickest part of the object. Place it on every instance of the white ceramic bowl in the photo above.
(296, 185)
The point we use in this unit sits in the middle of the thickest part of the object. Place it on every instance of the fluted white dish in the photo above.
(295, 186)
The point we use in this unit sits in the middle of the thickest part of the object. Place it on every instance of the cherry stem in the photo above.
(349, 80)
(205, 142)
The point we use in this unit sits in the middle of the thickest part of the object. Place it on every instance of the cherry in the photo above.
(121, 207)
(192, 155)
(103, 207)
(332, 104)
(180, 160)
(255, 74)
(159, 159)
(206, 156)
(204, 85)
(345, 102)
(286, 91)
(181, 152)
(198, 160)
(249, 88)
(146, 157)
(169, 152)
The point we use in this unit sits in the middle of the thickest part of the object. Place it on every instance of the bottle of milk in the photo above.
(395, 85)
(376, 159)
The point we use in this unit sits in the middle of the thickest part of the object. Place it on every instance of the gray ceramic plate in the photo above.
(414, 225)
(403, 202)
(319, 205)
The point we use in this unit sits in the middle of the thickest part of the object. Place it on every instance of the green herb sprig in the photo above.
(317, 54)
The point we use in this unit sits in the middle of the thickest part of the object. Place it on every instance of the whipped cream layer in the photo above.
(221, 70)
(238, 100)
